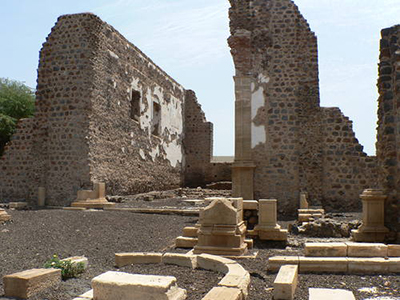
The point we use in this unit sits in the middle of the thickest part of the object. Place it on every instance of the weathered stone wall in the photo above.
(104, 112)
(16, 164)
(276, 61)
(198, 142)
(128, 152)
(388, 144)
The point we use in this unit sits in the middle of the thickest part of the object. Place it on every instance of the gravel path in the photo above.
(34, 236)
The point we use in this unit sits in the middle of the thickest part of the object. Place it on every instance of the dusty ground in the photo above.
(35, 236)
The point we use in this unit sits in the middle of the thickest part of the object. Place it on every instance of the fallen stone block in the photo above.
(214, 263)
(330, 294)
(123, 259)
(323, 264)
(17, 205)
(366, 250)
(326, 249)
(182, 260)
(394, 250)
(285, 283)
(185, 242)
(86, 296)
(123, 286)
(75, 260)
(224, 293)
(4, 216)
(28, 283)
(275, 262)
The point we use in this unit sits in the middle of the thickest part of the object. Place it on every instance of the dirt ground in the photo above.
(34, 236)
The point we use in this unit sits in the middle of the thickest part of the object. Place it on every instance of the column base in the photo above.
(243, 179)
(372, 235)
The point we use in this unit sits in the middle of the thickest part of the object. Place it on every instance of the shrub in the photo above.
(68, 268)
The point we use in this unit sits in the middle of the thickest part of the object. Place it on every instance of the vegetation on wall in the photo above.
(17, 101)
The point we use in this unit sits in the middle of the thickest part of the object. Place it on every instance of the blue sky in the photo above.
(187, 39)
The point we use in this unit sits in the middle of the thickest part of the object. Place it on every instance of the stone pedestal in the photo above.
(41, 196)
(222, 230)
(4, 216)
(242, 179)
(372, 228)
(303, 201)
(95, 198)
(268, 228)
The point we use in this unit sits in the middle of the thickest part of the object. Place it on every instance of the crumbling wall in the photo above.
(133, 151)
(292, 137)
(16, 164)
(104, 112)
(197, 142)
(388, 144)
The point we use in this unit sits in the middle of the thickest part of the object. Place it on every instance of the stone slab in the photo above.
(394, 265)
(330, 294)
(74, 208)
(323, 264)
(123, 286)
(285, 283)
(78, 259)
(224, 293)
(394, 250)
(214, 263)
(17, 205)
(325, 249)
(237, 277)
(185, 242)
(375, 265)
(271, 234)
(29, 282)
(86, 296)
(275, 262)
(124, 259)
(190, 231)
(250, 204)
(367, 250)
(183, 260)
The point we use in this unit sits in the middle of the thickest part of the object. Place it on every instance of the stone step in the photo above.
(185, 242)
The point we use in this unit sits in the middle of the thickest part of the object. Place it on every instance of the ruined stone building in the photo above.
(285, 142)
(104, 112)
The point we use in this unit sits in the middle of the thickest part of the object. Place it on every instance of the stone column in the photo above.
(243, 166)
(372, 228)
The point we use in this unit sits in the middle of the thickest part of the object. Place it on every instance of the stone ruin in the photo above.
(106, 113)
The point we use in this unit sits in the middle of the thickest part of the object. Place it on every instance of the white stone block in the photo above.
(182, 260)
(394, 250)
(275, 262)
(123, 286)
(214, 263)
(123, 259)
(330, 294)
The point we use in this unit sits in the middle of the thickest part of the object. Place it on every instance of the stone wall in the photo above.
(104, 112)
(128, 149)
(295, 145)
(388, 145)
(198, 142)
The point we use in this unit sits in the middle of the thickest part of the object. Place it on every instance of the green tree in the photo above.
(16, 101)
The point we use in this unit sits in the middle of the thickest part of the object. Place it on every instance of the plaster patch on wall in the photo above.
(257, 101)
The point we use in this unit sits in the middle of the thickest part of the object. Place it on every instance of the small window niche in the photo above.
(135, 105)
(156, 122)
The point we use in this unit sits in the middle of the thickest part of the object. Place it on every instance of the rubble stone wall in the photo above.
(198, 143)
(132, 153)
(104, 112)
(388, 144)
(292, 137)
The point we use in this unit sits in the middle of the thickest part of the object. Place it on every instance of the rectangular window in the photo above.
(135, 105)
(156, 122)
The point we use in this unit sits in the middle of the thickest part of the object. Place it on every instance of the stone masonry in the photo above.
(104, 113)
(388, 144)
(285, 143)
